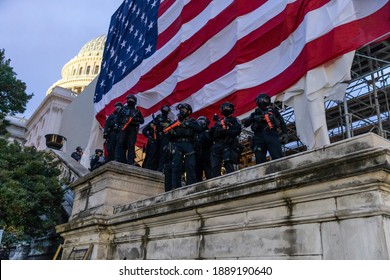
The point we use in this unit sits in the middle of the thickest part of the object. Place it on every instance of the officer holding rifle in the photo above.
(128, 122)
(181, 134)
(224, 134)
(265, 122)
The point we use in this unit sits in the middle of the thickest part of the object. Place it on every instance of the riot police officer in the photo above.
(97, 159)
(182, 134)
(77, 154)
(128, 121)
(224, 134)
(203, 145)
(157, 140)
(111, 132)
(265, 122)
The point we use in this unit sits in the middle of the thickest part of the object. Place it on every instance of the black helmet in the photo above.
(118, 104)
(203, 122)
(98, 150)
(79, 149)
(185, 110)
(131, 99)
(165, 109)
(263, 100)
(227, 109)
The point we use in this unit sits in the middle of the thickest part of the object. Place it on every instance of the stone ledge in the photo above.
(299, 207)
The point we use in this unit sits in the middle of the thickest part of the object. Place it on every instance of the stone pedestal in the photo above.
(330, 203)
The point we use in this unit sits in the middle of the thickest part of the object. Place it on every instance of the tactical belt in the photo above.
(184, 140)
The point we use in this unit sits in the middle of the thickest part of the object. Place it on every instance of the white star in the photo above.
(123, 69)
(120, 64)
(136, 34)
(135, 59)
(112, 54)
(138, 11)
(128, 49)
(123, 44)
(143, 16)
(131, 28)
(112, 28)
(110, 75)
(116, 58)
(134, 8)
(102, 84)
(151, 25)
(149, 48)
(126, 24)
(132, 53)
(140, 38)
(154, 3)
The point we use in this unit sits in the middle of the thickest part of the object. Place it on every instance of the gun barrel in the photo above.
(128, 122)
(175, 124)
(223, 124)
(266, 117)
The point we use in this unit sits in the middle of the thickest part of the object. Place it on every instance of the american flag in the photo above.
(206, 52)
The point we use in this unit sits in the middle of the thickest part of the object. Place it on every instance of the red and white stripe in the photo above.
(209, 52)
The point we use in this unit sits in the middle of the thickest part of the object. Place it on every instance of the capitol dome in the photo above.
(83, 68)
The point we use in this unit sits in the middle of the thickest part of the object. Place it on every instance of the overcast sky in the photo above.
(40, 36)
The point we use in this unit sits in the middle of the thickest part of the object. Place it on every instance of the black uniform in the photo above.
(128, 121)
(182, 138)
(265, 122)
(111, 132)
(224, 135)
(157, 140)
(76, 155)
(97, 159)
(203, 145)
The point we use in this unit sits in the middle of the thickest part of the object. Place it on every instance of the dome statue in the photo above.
(83, 68)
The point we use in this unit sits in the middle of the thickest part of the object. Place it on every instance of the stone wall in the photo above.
(330, 203)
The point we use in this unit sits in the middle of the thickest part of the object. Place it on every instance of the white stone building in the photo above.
(83, 68)
(16, 129)
(48, 118)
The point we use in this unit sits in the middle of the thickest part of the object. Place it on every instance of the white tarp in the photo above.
(307, 98)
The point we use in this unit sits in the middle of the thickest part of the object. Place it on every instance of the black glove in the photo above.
(258, 118)
(284, 138)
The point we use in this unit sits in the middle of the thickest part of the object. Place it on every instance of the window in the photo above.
(80, 70)
(88, 70)
(96, 69)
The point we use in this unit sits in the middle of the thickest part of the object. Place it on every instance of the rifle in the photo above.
(154, 128)
(175, 124)
(266, 116)
(222, 122)
(130, 120)
(267, 119)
